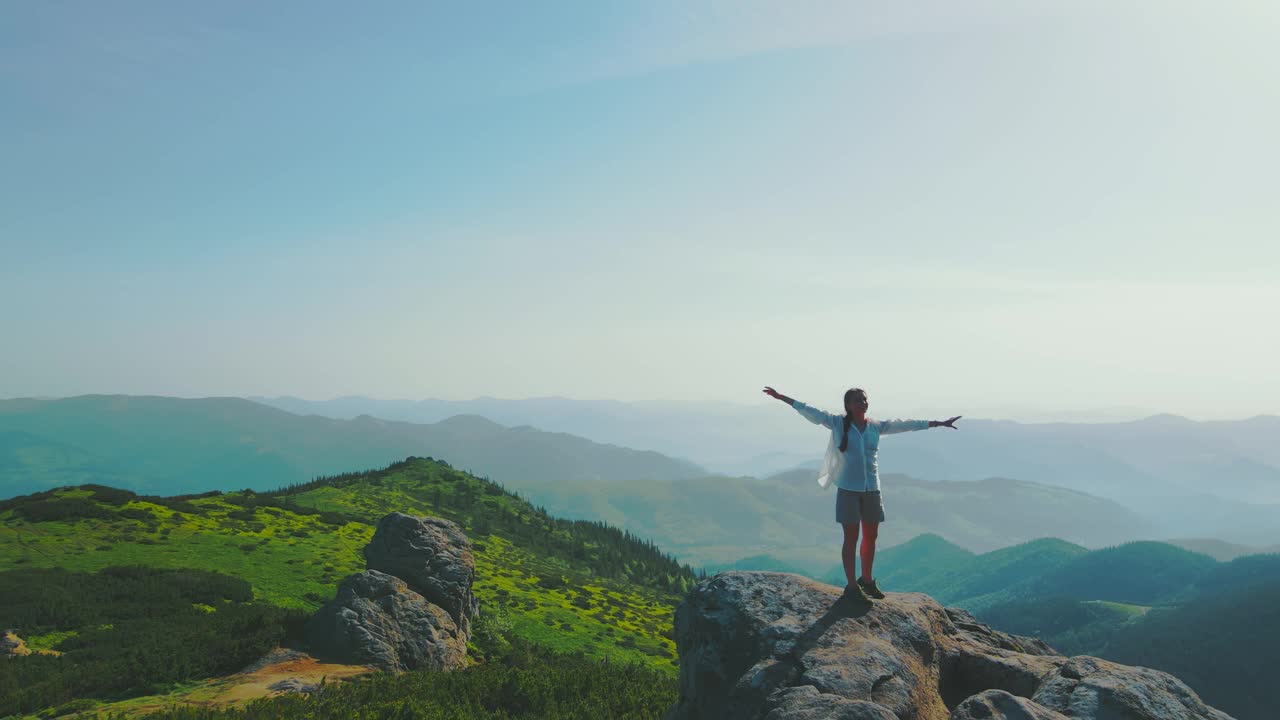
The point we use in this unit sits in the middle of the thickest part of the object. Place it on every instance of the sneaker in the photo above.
(855, 593)
(870, 588)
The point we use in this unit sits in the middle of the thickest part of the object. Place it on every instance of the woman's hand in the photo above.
(775, 394)
(950, 423)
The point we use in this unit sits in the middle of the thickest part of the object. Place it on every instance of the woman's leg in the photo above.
(870, 530)
(849, 553)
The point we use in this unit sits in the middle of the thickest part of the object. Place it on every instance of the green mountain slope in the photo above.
(1005, 573)
(1137, 573)
(930, 564)
(574, 586)
(1072, 627)
(1143, 573)
(1218, 639)
(1221, 644)
(912, 563)
(172, 445)
(766, 562)
(562, 594)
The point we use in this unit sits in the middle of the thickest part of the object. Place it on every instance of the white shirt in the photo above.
(855, 469)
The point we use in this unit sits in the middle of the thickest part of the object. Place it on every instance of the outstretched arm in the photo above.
(812, 414)
(889, 427)
(775, 394)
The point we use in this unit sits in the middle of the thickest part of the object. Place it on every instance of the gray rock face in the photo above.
(780, 647)
(433, 556)
(293, 685)
(1088, 687)
(804, 702)
(1000, 705)
(378, 620)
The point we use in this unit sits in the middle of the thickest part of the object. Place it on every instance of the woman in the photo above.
(857, 480)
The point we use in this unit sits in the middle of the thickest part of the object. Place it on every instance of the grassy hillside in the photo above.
(172, 445)
(558, 585)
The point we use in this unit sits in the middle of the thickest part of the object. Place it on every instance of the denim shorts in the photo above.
(853, 507)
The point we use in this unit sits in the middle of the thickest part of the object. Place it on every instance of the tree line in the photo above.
(136, 631)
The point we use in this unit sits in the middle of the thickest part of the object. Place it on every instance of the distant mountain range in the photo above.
(1165, 460)
(171, 445)
(725, 437)
(715, 521)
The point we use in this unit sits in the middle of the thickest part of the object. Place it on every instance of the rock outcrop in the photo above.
(433, 556)
(778, 646)
(377, 620)
(411, 609)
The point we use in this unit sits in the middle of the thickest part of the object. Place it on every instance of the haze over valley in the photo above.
(667, 360)
(998, 484)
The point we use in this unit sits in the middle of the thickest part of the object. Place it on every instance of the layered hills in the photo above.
(717, 521)
(166, 445)
(172, 445)
(1155, 456)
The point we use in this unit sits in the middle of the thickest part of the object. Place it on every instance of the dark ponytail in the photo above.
(848, 419)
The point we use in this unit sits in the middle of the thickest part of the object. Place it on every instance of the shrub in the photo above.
(62, 509)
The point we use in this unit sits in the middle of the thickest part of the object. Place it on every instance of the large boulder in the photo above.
(1088, 687)
(1001, 705)
(433, 556)
(377, 620)
(783, 647)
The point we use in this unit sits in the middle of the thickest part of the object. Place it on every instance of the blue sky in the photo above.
(970, 205)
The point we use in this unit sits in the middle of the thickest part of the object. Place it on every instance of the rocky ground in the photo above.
(783, 647)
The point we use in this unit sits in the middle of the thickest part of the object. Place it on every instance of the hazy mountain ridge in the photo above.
(228, 443)
(1160, 454)
(716, 521)
(171, 445)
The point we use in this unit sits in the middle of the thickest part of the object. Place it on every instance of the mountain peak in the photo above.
(1167, 419)
(758, 643)
(469, 421)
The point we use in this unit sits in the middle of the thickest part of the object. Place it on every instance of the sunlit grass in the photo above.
(294, 560)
